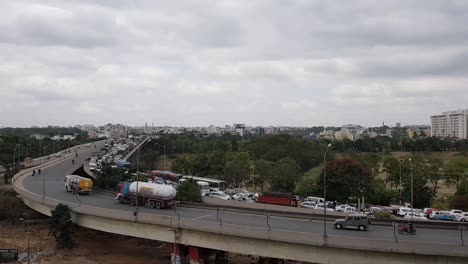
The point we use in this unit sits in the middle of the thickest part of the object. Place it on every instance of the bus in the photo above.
(215, 184)
(165, 176)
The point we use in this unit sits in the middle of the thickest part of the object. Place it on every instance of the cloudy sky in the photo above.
(262, 62)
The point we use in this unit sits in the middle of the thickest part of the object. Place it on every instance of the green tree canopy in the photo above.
(346, 178)
(286, 174)
(61, 225)
(237, 168)
(189, 191)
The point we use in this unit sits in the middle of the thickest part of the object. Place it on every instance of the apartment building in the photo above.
(453, 124)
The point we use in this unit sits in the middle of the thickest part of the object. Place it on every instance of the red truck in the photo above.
(278, 198)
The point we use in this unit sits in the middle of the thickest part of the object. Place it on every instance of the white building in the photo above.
(452, 124)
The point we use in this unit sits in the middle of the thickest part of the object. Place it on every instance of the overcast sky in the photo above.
(194, 63)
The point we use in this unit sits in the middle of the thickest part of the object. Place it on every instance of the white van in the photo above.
(315, 200)
(204, 188)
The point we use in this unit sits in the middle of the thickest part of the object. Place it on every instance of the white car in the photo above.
(320, 207)
(308, 205)
(58, 154)
(349, 210)
(456, 213)
(340, 208)
(220, 195)
(463, 217)
(415, 216)
(402, 211)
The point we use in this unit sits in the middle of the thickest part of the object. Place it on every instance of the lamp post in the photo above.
(137, 171)
(27, 233)
(411, 173)
(164, 147)
(325, 196)
(400, 181)
(43, 176)
(14, 161)
(253, 172)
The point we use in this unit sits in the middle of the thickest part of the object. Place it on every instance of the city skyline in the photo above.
(308, 63)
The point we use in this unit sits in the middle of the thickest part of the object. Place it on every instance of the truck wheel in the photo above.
(362, 228)
(152, 204)
(338, 226)
(158, 205)
(66, 188)
(132, 202)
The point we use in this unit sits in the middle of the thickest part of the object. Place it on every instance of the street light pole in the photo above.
(43, 178)
(253, 173)
(411, 173)
(14, 161)
(400, 180)
(325, 196)
(27, 234)
(164, 147)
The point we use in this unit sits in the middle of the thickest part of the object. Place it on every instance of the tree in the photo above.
(309, 185)
(455, 171)
(346, 178)
(286, 174)
(392, 169)
(61, 226)
(263, 170)
(237, 168)
(189, 191)
(434, 173)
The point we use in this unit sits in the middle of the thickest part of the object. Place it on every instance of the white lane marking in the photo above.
(203, 216)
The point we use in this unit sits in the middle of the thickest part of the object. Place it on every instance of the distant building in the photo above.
(452, 124)
(240, 129)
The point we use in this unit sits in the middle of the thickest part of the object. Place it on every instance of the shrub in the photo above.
(383, 215)
(189, 191)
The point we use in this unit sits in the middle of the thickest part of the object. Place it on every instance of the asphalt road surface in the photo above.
(54, 188)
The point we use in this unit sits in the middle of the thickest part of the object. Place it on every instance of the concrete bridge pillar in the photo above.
(175, 254)
(200, 255)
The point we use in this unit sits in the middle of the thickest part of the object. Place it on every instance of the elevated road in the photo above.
(281, 237)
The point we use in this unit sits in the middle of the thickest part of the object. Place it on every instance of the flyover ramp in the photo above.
(279, 237)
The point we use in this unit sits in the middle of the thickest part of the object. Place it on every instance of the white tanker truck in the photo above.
(151, 194)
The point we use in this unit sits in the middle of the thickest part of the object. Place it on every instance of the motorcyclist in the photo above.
(410, 227)
(76, 154)
(34, 172)
(73, 161)
(39, 171)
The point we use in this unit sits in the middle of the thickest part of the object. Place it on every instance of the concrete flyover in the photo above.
(245, 233)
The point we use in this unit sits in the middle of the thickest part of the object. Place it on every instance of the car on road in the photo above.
(307, 205)
(320, 207)
(88, 145)
(415, 216)
(456, 213)
(445, 217)
(341, 207)
(58, 154)
(349, 210)
(402, 211)
(463, 217)
(354, 221)
(220, 195)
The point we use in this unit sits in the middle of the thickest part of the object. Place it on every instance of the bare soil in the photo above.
(91, 247)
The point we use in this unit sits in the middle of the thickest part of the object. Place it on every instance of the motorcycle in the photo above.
(406, 229)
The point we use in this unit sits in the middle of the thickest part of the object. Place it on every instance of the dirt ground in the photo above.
(92, 247)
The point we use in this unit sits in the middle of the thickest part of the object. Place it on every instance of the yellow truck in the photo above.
(78, 184)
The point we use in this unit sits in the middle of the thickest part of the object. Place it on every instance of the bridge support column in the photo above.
(196, 255)
(175, 254)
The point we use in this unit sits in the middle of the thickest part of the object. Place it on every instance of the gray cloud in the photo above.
(262, 62)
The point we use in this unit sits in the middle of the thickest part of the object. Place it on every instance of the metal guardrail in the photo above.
(331, 217)
(254, 232)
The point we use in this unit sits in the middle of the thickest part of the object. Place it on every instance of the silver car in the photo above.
(355, 221)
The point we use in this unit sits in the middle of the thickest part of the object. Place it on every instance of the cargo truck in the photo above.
(145, 193)
(278, 198)
(78, 184)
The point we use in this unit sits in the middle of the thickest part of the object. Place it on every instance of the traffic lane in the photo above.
(55, 189)
(317, 227)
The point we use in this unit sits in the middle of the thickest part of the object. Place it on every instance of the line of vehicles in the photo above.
(432, 214)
